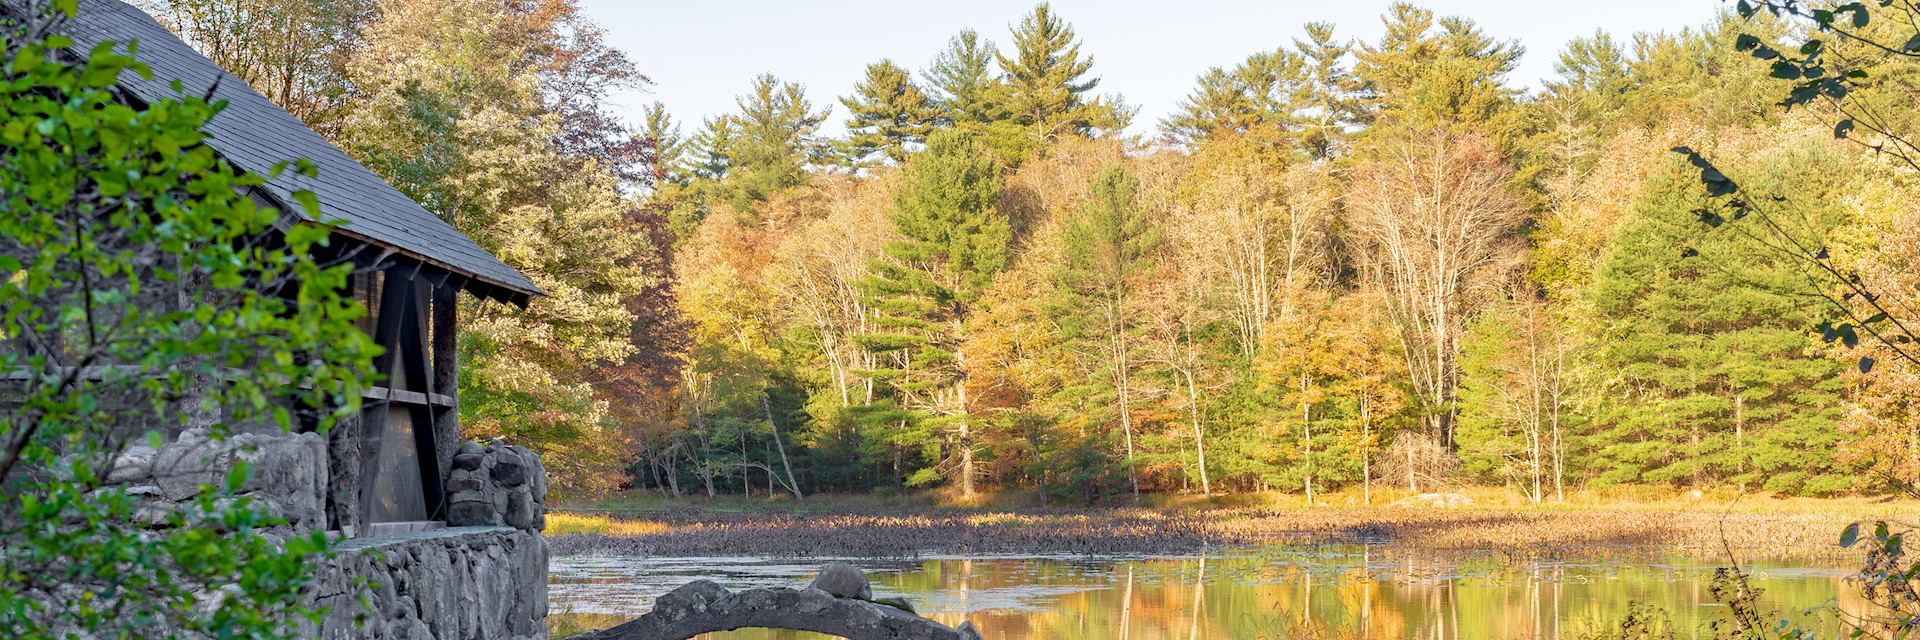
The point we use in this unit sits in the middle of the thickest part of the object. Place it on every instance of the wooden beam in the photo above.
(385, 394)
(443, 334)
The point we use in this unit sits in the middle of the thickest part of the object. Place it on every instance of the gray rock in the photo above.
(897, 603)
(509, 471)
(468, 461)
(537, 477)
(519, 513)
(450, 584)
(702, 607)
(477, 495)
(181, 467)
(133, 465)
(462, 481)
(843, 580)
(691, 598)
(471, 514)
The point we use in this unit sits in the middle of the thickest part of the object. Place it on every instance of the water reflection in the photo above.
(1327, 591)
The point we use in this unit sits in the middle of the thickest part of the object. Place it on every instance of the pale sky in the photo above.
(702, 53)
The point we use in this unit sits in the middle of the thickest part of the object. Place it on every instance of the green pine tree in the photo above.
(1106, 249)
(1429, 71)
(1328, 97)
(963, 82)
(667, 149)
(1718, 378)
(1047, 84)
(888, 114)
(953, 239)
(777, 138)
(711, 150)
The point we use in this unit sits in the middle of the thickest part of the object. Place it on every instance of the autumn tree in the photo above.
(486, 156)
(1327, 370)
(1178, 318)
(1516, 397)
(1257, 224)
(294, 52)
(1436, 215)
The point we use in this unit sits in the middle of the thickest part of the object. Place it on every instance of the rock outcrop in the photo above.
(838, 603)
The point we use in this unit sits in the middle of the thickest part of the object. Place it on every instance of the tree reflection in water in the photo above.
(1336, 591)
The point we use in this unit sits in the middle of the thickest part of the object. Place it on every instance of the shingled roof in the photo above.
(254, 134)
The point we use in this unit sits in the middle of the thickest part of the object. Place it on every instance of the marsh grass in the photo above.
(564, 524)
(1618, 521)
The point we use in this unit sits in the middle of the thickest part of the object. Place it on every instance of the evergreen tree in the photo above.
(888, 114)
(1719, 378)
(711, 150)
(1262, 91)
(1430, 72)
(777, 138)
(1105, 251)
(1327, 100)
(666, 148)
(963, 82)
(1047, 83)
(973, 99)
(952, 240)
(1305, 90)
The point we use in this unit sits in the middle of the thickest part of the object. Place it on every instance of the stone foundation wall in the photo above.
(459, 583)
(482, 578)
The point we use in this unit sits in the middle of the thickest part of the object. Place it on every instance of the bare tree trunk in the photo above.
(1118, 344)
(792, 484)
(706, 467)
(966, 430)
(1306, 433)
(1199, 438)
(1366, 457)
(673, 469)
(1411, 485)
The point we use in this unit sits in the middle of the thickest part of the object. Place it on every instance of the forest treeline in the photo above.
(1339, 263)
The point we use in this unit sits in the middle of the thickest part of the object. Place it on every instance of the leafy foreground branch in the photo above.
(136, 278)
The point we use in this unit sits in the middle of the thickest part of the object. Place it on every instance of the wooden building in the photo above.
(387, 469)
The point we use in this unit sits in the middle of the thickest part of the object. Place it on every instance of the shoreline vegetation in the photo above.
(1710, 528)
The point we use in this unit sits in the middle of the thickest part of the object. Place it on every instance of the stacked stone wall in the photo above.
(457, 583)
(497, 485)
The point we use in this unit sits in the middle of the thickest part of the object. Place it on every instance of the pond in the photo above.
(1346, 591)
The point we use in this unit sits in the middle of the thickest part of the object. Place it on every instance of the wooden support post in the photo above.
(446, 374)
